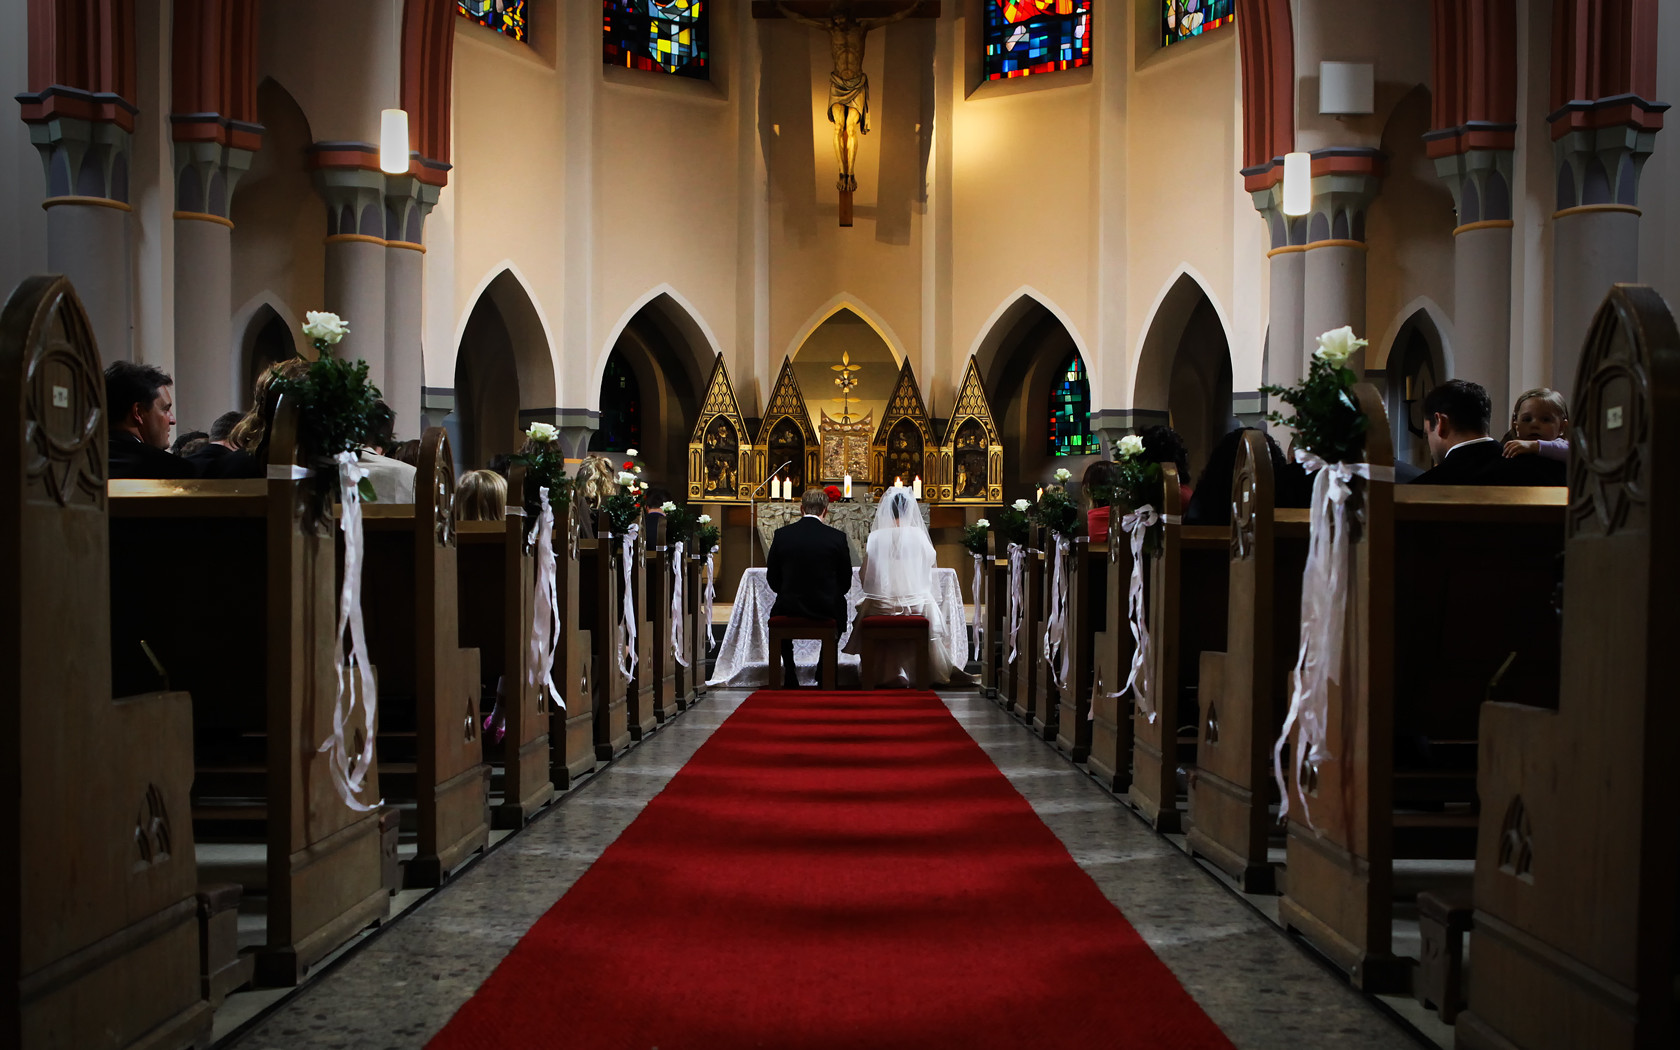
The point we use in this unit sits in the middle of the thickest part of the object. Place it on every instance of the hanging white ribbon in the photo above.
(1017, 565)
(545, 624)
(627, 649)
(1056, 653)
(707, 597)
(288, 472)
(976, 648)
(678, 571)
(1324, 597)
(349, 772)
(1137, 525)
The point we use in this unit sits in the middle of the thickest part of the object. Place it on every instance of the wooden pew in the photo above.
(1110, 758)
(640, 706)
(571, 729)
(1577, 864)
(1421, 550)
(1046, 710)
(430, 725)
(495, 591)
(656, 621)
(1186, 609)
(685, 679)
(258, 659)
(1244, 690)
(1087, 610)
(599, 577)
(699, 627)
(100, 923)
(1017, 682)
(994, 584)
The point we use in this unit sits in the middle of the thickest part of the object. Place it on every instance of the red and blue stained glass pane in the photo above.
(669, 36)
(1036, 36)
(1070, 412)
(504, 16)
(1183, 19)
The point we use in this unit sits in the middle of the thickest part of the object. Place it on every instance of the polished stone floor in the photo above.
(398, 988)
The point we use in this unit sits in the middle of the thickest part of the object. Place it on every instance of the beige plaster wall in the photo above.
(1392, 36)
(1659, 189)
(813, 366)
(339, 60)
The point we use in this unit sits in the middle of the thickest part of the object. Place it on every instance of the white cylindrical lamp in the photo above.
(1297, 184)
(393, 141)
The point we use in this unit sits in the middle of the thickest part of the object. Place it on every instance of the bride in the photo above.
(897, 577)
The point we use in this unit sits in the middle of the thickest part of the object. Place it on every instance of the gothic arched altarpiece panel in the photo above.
(719, 449)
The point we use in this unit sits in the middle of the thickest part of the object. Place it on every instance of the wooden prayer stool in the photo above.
(878, 630)
(1444, 921)
(222, 967)
(799, 628)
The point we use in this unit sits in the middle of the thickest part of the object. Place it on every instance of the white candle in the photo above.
(898, 483)
(916, 487)
(787, 488)
(1040, 493)
(846, 492)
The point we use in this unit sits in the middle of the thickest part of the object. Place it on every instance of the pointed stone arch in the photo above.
(848, 301)
(504, 369)
(1417, 356)
(668, 347)
(1184, 373)
(1020, 353)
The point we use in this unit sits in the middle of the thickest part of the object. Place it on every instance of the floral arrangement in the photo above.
(625, 506)
(1056, 510)
(545, 465)
(680, 521)
(974, 536)
(335, 402)
(705, 534)
(1326, 421)
(1136, 481)
(1012, 522)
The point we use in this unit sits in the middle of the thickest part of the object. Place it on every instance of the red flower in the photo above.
(629, 465)
(832, 491)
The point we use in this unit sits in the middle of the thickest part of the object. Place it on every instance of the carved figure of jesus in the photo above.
(848, 87)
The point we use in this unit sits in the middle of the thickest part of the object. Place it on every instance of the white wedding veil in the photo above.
(900, 559)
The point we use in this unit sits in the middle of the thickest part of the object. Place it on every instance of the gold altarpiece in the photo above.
(971, 456)
(786, 434)
(719, 452)
(903, 447)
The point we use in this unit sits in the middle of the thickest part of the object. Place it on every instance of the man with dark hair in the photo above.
(219, 443)
(393, 480)
(141, 402)
(810, 569)
(1455, 420)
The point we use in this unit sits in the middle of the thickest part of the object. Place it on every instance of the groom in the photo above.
(810, 569)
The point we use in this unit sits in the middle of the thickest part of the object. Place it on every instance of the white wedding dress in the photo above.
(897, 577)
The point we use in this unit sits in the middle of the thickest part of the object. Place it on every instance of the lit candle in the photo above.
(787, 488)
(898, 483)
(846, 491)
(1040, 494)
(916, 487)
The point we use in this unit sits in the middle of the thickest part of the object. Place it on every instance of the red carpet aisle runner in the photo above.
(844, 870)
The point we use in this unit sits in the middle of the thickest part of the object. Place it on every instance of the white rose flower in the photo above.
(1337, 345)
(1063, 474)
(667, 506)
(542, 433)
(1131, 445)
(705, 519)
(625, 477)
(1022, 505)
(983, 523)
(632, 453)
(323, 327)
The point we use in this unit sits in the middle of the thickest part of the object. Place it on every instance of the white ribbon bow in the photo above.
(678, 571)
(707, 597)
(349, 773)
(1055, 632)
(1137, 524)
(545, 624)
(976, 645)
(627, 651)
(1324, 596)
(1017, 565)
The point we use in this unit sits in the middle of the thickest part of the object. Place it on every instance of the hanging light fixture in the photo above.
(393, 123)
(1297, 184)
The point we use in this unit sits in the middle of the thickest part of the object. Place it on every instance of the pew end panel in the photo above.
(572, 729)
(1087, 609)
(1110, 758)
(1046, 697)
(600, 572)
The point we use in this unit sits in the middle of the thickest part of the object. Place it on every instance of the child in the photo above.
(1537, 425)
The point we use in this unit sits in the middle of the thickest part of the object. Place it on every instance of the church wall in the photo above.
(23, 223)
(1659, 196)
(339, 60)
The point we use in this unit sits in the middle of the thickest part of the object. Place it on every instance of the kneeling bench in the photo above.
(798, 628)
(878, 629)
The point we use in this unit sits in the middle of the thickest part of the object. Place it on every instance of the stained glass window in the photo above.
(667, 35)
(621, 408)
(1183, 19)
(1036, 36)
(1070, 412)
(504, 16)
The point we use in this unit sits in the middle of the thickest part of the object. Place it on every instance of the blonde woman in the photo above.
(481, 496)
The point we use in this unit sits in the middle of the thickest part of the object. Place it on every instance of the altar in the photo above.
(745, 651)
(854, 519)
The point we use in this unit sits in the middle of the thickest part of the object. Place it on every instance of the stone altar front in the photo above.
(854, 519)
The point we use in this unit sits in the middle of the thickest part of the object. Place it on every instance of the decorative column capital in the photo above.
(1480, 180)
(1344, 182)
(348, 177)
(408, 201)
(1600, 149)
(205, 176)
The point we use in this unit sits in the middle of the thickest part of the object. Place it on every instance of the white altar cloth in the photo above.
(745, 651)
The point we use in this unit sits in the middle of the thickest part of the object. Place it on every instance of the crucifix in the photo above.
(846, 24)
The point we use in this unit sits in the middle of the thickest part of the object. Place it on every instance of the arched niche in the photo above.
(267, 341)
(1416, 365)
(1184, 370)
(1022, 361)
(658, 356)
(504, 372)
(845, 336)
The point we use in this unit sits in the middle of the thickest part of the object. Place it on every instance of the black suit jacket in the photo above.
(1484, 463)
(133, 458)
(810, 569)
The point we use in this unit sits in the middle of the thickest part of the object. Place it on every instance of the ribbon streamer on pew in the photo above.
(288, 472)
(678, 571)
(708, 597)
(627, 649)
(349, 772)
(1324, 597)
(975, 645)
(1017, 566)
(545, 624)
(1055, 630)
(1136, 525)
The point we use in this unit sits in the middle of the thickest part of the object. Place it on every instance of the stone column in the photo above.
(206, 361)
(86, 146)
(1599, 149)
(350, 181)
(1345, 181)
(408, 200)
(1481, 182)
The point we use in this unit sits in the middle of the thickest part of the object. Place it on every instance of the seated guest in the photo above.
(248, 457)
(407, 452)
(218, 443)
(1455, 421)
(1099, 475)
(1161, 444)
(1210, 504)
(481, 496)
(190, 442)
(393, 481)
(1538, 422)
(141, 402)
